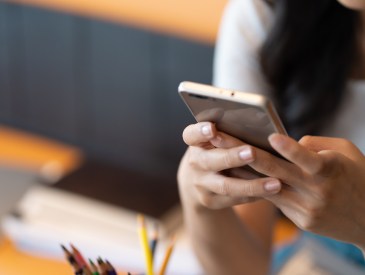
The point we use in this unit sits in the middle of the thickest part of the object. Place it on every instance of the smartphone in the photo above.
(247, 116)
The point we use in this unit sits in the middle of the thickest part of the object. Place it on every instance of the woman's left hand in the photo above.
(324, 190)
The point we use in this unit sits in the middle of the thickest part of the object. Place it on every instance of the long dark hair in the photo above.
(307, 57)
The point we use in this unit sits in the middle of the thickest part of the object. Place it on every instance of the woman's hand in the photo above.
(210, 177)
(210, 172)
(324, 192)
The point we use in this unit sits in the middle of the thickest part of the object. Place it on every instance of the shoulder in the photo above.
(244, 26)
(247, 17)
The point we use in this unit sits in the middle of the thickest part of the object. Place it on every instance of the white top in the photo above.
(244, 26)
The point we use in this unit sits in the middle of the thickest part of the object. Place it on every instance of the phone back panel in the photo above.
(247, 116)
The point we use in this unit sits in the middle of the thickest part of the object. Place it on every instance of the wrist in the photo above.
(189, 197)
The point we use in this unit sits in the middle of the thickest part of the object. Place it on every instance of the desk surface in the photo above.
(13, 262)
(193, 19)
(32, 152)
(25, 151)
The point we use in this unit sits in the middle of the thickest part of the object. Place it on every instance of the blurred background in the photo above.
(96, 81)
(107, 87)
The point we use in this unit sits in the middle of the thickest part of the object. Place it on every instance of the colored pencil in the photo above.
(167, 256)
(154, 241)
(142, 232)
(102, 266)
(76, 267)
(94, 268)
(66, 251)
(78, 256)
(110, 268)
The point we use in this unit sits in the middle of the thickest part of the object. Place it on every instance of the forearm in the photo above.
(223, 244)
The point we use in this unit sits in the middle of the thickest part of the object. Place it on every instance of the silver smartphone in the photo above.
(247, 116)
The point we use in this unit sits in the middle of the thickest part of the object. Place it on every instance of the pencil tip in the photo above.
(141, 220)
(71, 259)
(100, 260)
(64, 248)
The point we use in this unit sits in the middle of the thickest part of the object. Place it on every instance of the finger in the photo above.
(318, 144)
(196, 134)
(223, 140)
(266, 164)
(219, 159)
(307, 160)
(242, 173)
(301, 210)
(214, 201)
(213, 114)
(239, 188)
(260, 161)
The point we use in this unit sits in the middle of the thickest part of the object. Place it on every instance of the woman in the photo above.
(308, 56)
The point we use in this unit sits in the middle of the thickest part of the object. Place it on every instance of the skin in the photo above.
(353, 4)
(207, 196)
(320, 188)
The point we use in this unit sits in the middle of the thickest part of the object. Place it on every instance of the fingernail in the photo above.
(206, 130)
(272, 186)
(246, 153)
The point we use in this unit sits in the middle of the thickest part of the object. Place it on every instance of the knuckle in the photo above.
(309, 224)
(200, 160)
(312, 217)
(208, 201)
(320, 167)
(192, 159)
(306, 140)
(331, 166)
(248, 190)
(323, 195)
(228, 160)
(224, 187)
(306, 224)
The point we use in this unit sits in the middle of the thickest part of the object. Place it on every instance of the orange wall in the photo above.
(193, 19)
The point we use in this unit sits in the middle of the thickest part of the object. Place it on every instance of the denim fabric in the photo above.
(347, 251)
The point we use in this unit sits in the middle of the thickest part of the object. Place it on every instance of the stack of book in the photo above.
(95, 206)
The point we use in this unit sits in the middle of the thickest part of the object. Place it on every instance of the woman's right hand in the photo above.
(211, 172)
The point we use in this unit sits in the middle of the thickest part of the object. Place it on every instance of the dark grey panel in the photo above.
(186, 61)
(50, 88)
(110, 89)
(82, 67)
(122, 94)
(14, 80)
(5, 96)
